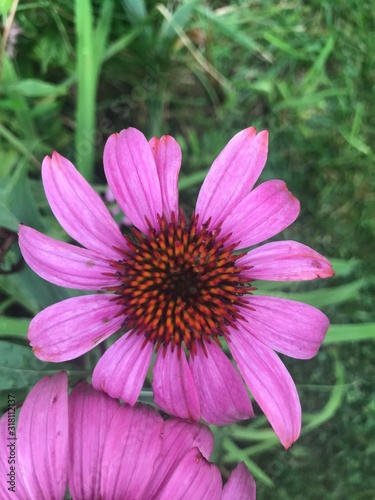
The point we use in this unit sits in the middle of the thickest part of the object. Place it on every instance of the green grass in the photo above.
(202, 71)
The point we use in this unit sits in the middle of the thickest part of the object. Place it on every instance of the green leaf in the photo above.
(135, 10)
(14, 327)
(332, 405)
(187, 181)
(284, 46)
(18, 196)
(121, 43)
(180, 16)
(7, 219)
(20, 368)
(30, 87)
(235, 453)
(343, 267)
(322, 297)
(350, 333)
(26, 288)
(5, 6)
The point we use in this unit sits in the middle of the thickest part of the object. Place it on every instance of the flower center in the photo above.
(180, 283)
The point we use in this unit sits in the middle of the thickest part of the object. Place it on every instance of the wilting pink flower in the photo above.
(177, 283)
(101, 449)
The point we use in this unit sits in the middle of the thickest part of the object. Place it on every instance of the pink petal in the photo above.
(173, 385)
(74, 326)
(178, 439)
(167, 155)
(122, 369)
(11, 483)
(240, 484)
(286, 261)
(286, 326)
(132, 446)
(232, 175)
(42, 438)
(78, 208)
(133, 178)
(222, 393)
(90, 415)
(64, 264)
(270, 383)
(193, 479)
(266, 211)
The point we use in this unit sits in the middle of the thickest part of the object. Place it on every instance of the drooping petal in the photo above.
(178, 439)
(42, 439)
(193, 479)
(270, 383)
(222, 393)
(232, 175)
(133, 443)
(285, 261)
(72, 327)
(90, 414)
(122, 369)
(240, 484)
(167, 155)
(78, 208)
(286, 326)
(266, 211)
(173, 385)
(64, 264)
(133, 178)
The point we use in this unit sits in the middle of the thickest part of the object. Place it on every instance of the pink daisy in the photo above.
(178, 286)
(101, 449)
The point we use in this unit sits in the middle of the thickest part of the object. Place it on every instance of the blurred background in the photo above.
(72, 73)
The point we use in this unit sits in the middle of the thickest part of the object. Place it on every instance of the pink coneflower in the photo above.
(177, 284)
(101, 449)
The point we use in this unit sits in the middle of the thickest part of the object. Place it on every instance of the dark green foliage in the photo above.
(201, 71)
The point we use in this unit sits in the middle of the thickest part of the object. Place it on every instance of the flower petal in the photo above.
(167, 155)
(78, 208)
(193, 479)
(64, 264)
(42, 438)
(133, 443)
(72, 327)
(285, 261)
(173, 385)
(240, 484)
(266, 211)
(178, 439)
(232, 175)
(122, 369)
(270, 383)
(133, 178)
(90, 415)
(286, 326)
(222, 393)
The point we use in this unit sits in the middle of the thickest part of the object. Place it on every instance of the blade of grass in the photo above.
(313, 76)
(191, 180)
(350, 333)
(332, 405)
(322, 297)
(236, 454)
(201, 60)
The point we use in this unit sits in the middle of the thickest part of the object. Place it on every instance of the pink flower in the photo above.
(101, 449)
(179, 287)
